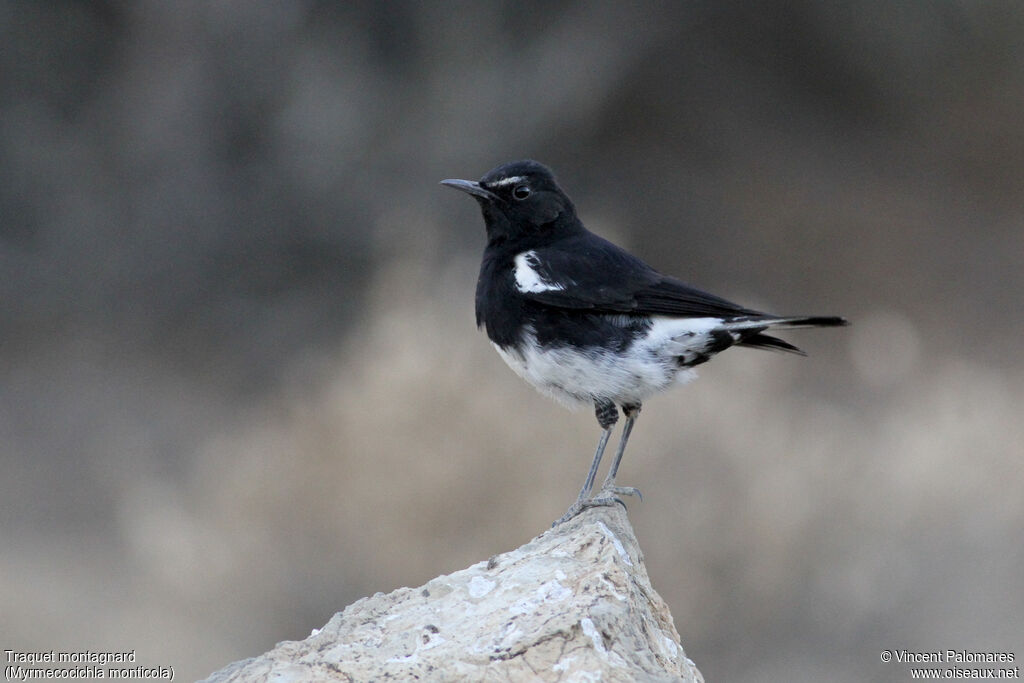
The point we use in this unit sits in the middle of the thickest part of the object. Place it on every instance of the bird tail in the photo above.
(751, 330)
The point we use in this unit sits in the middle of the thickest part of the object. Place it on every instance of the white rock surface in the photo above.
(573, 604)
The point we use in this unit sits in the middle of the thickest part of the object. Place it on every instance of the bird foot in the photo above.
(608, 495)
(581, 505)
(620, 491)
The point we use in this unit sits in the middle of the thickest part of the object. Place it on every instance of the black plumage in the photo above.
(586, 321)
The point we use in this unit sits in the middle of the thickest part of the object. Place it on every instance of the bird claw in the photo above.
(581, 505)
(573, 510)
(624, 491)
(606, 496)
(601, 501)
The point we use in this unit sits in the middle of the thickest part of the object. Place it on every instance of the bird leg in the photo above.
(631, 412)
(607, 415)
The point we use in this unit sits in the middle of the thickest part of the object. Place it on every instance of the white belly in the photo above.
(578, 377)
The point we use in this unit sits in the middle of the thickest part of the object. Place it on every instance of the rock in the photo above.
(573, 604)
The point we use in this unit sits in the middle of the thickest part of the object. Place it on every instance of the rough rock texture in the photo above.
(573, 604)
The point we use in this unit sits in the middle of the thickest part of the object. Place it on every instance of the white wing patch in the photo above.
(528, 280)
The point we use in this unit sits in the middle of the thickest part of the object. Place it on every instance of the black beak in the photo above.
(471, 187)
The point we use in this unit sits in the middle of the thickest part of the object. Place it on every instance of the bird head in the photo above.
(519, 199)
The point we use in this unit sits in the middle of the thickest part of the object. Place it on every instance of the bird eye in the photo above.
(521, 191)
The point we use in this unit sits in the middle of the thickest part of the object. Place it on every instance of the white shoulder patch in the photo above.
(528, 280)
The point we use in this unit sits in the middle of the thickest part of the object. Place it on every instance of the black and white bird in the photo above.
(588, 323)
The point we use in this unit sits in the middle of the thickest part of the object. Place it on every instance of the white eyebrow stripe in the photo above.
(507, 181)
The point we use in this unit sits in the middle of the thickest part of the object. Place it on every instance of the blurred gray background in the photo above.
(241, 385)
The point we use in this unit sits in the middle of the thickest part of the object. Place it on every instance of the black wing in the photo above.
(587, 272)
